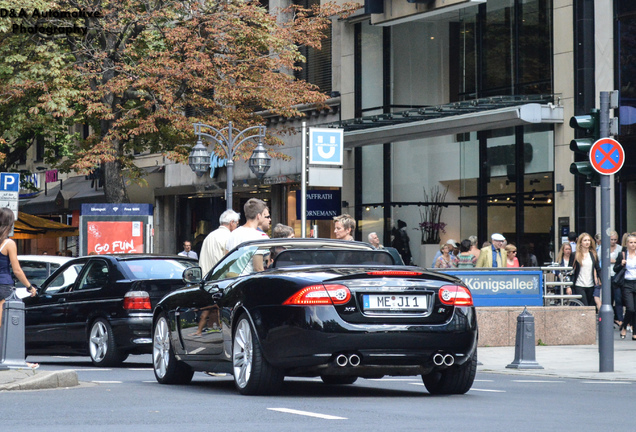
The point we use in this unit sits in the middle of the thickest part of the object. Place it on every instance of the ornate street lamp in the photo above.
(230, 139)
(199, 159)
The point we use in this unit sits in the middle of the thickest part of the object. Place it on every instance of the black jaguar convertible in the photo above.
(334, 309)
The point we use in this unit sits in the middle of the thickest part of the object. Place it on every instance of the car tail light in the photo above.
(137, 300)
(394, 273)
(455, 295)
(315, 295)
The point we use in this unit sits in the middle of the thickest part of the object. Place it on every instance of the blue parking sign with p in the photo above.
(10, 182)
(326, 146)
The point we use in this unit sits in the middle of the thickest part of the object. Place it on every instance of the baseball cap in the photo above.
(497, 237)
(451, 242)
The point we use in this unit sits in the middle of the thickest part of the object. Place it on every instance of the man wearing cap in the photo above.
(453, 245)
(491, 256)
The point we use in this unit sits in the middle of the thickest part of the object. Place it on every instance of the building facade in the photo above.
(458, 106)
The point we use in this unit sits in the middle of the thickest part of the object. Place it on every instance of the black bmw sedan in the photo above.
(334, 309)
(101, 306)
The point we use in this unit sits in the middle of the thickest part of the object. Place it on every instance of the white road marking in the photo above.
(487, 390)
(108, 382)
(307, 413)
(537, 381)
(94, 370)
(392, 379)
(484, 380)
(472, 389)
(605, 382)
(139, 369)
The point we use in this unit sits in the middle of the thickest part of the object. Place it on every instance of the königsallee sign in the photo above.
(504, 287)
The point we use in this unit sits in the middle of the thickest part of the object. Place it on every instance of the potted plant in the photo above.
(430, 225)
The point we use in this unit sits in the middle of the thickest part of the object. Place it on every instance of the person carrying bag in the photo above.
(625, 269)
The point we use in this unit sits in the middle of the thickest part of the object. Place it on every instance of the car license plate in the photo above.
(389, 302)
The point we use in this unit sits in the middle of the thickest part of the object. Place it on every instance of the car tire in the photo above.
(168, 370)
(101, 345)
(253, 375)
(457, 379)
(338, 379)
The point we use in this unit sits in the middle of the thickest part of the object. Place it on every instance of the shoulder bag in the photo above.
(619, 278)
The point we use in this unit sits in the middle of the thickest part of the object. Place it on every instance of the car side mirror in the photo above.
(192, 275)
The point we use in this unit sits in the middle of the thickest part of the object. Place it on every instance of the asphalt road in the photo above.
(129, 399)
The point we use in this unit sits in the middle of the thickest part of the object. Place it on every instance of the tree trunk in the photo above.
(114, 185)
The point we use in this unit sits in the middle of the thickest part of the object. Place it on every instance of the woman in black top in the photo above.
(586, 272)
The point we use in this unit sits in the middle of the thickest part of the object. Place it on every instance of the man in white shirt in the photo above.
(214, 245)
(187, 250)
(257, 215)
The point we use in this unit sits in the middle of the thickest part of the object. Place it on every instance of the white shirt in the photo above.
(586, 274)
(243, 234)
(191, 254)
(630, 272)
(213, 248)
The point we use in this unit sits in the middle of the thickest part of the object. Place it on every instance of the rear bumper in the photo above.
(133, 334)
(310, 340)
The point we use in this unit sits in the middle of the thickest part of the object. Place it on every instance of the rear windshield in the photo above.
(157, 268)
(300, 257)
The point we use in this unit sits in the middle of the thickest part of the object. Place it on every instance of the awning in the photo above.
(29, 227)
(58, 198)
(453, 118)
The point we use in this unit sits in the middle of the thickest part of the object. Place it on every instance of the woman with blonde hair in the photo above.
(511, 256)
(586, 273)
(8, 261)
(446, 260)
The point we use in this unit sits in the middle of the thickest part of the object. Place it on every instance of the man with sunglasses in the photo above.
(258, 222)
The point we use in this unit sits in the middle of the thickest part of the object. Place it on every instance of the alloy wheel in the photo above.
(98, 341)
(243, 352)
(161, 348)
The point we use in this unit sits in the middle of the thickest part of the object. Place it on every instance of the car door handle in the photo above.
(61, 300)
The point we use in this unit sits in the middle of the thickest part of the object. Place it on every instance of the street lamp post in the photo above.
(230, 139)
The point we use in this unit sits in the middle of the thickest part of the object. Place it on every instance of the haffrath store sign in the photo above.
(321, 204)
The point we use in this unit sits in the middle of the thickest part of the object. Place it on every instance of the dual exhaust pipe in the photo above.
(441, 359)
(352, 360)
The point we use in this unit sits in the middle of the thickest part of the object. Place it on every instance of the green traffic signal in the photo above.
(581, 145)
(589, 123)
(582, 168)
(589, 127)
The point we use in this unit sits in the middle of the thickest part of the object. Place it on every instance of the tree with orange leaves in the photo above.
(140, 73)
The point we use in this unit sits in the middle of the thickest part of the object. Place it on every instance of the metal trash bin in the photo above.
(12, 352)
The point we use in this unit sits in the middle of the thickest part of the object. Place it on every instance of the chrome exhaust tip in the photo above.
(449, 360)
(354, 360)
(342, 360)
(438, 359)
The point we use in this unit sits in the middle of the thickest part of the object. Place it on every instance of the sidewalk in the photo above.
(39, 379)
(564, 361)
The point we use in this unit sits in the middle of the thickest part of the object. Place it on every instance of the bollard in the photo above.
(524, 345)
(12, 353)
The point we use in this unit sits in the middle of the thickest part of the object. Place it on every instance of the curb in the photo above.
(33, 380)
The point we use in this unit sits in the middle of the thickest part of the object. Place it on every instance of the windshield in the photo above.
(157, 268)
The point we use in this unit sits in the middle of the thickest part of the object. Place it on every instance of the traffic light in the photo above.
(589, 126)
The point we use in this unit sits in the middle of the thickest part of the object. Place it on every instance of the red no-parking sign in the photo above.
(607, 156)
